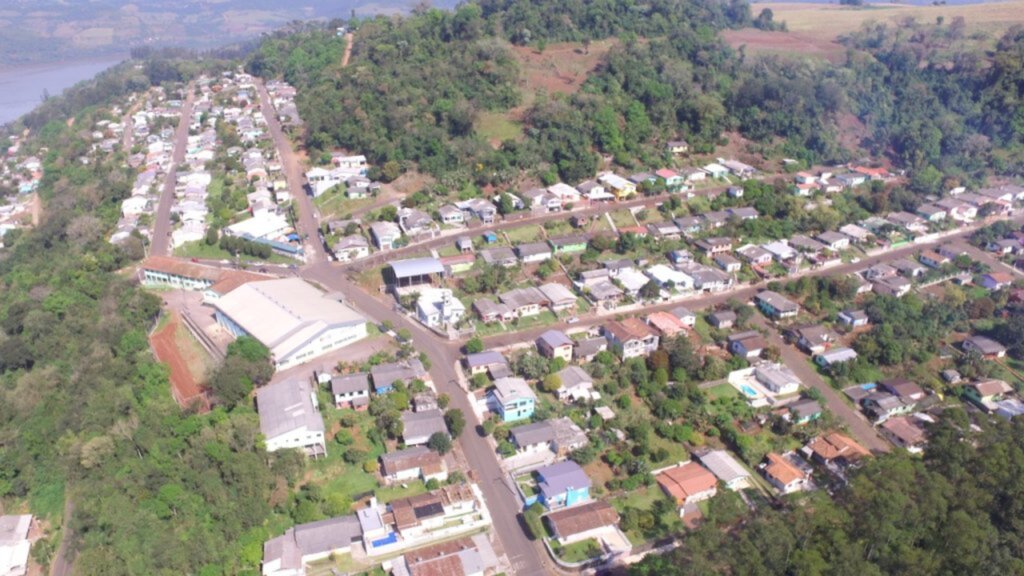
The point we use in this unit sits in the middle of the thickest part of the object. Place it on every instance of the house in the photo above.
(908, 268)
(783, 475)
(689, 224)
(836, 447)
(290, 417)
(673, 181)
(814, 339)
(958, 210)
(593, 191)
(565, 193)
(667, 324)
(933, 259)
(451, 215)
(351, 248)
(588, 348)
(385, 376)
(987, 347)
(716, 170)
(414, 222)
(906, 432)
(676, 147)
(351, 390)
(464, 245)
(533, 252)
(907, 221)
(755, 255)
(669, 278)
(714, 246)
(775, 305)
(725, 468)
(416, 518)
(471, 556)
(412, 463)
(491, 311)
(687, 483)
(484, 362)
(618, 186)
(559, 297)
(293, 319)
(555, 344)
(738, 168)
(589, 521)
(512, 399)
(438, 307)
(664, 230)
(747, 344)
(385, 234)
(499, 256)
(882, 406)
(604, 294)
(743, 212)
(563, 485)
(630, 337)
(932, 212)
(835, 241)
(781, 251)
(686, 318)
(803, 411)
(854, 318)
(953, 250)
(896, 287)
(777, 378)
(560, 436)
(855, 233)
(987, 393)
(835, 356)
(572, 244)
(722, 319)
(288, 555)
(418, 427)
(728, 263)
(14, 544)
(996, 280)
(576, 384)
(524, 302)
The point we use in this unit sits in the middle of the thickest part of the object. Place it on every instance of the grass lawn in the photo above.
(579, 551)
(644, 499)
(582, 305)
(336, 204)
(622, 218)
(703, 329)
(448, 250)
(724, 390)
(497, 126)
(199, 249)
(524, 234)
(558, 228)
(545, 317)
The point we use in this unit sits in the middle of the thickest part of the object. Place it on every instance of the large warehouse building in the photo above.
(292, 318)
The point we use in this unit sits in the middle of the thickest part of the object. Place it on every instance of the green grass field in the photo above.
(497, 127)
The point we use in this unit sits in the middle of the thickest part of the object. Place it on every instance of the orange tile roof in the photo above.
(780, 469)
(666, 323)
(629, 329)
(231, 279)
(579, 519)
(836, 445)
(684, 481)
(169, 265)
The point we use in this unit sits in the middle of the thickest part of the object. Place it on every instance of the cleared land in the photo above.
(814, 28)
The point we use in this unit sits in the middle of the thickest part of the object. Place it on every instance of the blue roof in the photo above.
(417, 267)
(561, 477)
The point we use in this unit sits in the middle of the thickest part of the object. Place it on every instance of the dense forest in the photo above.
(956, 511)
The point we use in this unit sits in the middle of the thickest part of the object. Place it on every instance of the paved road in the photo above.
(292, 167)
(527, 557)
(162, 227)
(798, 362)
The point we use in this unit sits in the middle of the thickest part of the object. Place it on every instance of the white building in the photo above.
(437, 307)
(266, 225)
(14, 544)
(292, 318)
(290, 417)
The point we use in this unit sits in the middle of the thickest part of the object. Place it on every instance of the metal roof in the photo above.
(417, 267)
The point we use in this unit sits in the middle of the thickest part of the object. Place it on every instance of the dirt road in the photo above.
(349, 39)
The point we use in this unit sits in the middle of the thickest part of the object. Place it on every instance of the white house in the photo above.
(290, 417)
(438, 307)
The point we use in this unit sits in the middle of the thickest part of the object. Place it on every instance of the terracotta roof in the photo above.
(440, 559)
(780, 469)
(991, 387)
(667, 324)
(232, 279)
(629, 329)
(684, 481)
(178, 267)
(836, 445)
(579, 519)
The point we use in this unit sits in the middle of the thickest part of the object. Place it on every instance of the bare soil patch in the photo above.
(184, 386)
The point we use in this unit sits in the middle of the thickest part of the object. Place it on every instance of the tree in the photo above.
(474, 345)
(440, 442)
(650, 291)
(456, 421)
(552, 383)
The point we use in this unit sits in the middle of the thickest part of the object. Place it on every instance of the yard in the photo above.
(644, 499)
(201, 250)
(622, 218)
(579, 551)
(524, 234)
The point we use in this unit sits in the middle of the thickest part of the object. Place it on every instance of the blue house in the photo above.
(512, 399)
(563, 485)
(490, 237)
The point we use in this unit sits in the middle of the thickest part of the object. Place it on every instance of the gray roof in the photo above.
(682, 312)
(349, 383)
(518, 297)
(485, 358)
(777, 301)
(408, 459)
(287, 406)
(557, 293)
(417, 425)
(512, 388)
(386, 375)
(557, 478)
(590, 346)
(417, 267)
(555, 338)
(986, 345)
(723, 466)
(805, 408)
(573, 376)
(497, 254)
(534, 433)
(533, 249)
(327, 535)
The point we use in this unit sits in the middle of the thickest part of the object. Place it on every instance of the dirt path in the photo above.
(62, 560)
(37, 209)
(184, 387)
(349, 38)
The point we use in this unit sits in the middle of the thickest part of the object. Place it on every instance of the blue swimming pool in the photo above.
(750, 392)
(390, 539)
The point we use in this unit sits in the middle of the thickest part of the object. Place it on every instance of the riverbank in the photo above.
(23, 88)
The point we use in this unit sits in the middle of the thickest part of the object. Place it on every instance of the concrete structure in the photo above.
(294, 320)
(351, 391)
(290, 417)
(438, 307)
(14, 544)
(289, 554)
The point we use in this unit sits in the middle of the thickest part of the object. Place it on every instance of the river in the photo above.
(21, 89)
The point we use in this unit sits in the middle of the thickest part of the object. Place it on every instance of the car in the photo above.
(195, 259)
(572, 320)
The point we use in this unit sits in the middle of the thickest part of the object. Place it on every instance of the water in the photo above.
(21, 89)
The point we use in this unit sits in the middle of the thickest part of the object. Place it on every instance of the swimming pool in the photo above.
(750, 392)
